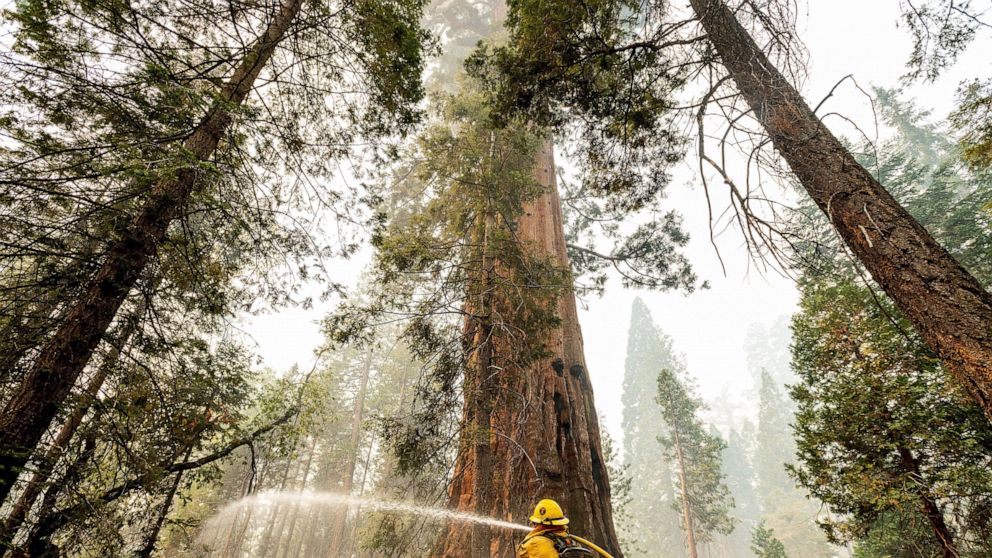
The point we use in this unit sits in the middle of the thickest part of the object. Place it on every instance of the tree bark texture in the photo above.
(35, 402)
(690, 530)
(949, 308)
(531, 433)
(35, 485)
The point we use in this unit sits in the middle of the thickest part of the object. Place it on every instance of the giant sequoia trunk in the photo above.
(531, 433)
(945, 303)
(35, 402)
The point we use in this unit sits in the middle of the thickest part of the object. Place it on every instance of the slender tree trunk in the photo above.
(295, 514)
(348, 475)
(353, 532)
(945, 303)
(151, 538)
(35, 485)
(39, 541)
(690, 530)
(235, 539)
(277, 521)
(928, 504)
(35, 402)
(542, 429)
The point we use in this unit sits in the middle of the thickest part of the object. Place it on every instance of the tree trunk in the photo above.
(949, 308)
(541, 426)
(348, 476)
(928, 504)
(39, 541)
(35, 485)
(35, 402)
(690, 530)
(151, 538)
(295, 513)
(277, 518)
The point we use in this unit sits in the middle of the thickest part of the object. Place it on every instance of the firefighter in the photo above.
(550, 538)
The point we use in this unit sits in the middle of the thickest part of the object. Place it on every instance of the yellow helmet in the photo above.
(548, 512)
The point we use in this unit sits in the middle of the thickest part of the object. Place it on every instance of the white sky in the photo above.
(858, 37)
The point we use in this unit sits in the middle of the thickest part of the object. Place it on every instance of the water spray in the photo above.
(332, 499)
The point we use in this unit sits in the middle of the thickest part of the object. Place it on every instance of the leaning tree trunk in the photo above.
(26, 500)
(35, 402)
(945, 303)
(928, 504)
(534, 433)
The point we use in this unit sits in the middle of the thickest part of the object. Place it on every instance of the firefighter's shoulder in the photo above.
(537, 546)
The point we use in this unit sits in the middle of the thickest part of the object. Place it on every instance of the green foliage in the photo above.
(899, 534)
(616, 81)
(696, 453)
(941, 30)
(765, 545)
(651, 523)
(881, 426)
(973, 120)
(99, 98)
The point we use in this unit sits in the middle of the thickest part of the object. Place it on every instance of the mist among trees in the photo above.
(451, 194)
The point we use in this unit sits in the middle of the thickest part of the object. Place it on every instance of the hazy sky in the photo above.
(858, 37)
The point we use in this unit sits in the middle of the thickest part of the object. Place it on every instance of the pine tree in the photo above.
(856, 354)
(784, 506)
(740, 477)
(900, 443)
(130, 154)
(703, 498)
(765, 545)
(653, 521)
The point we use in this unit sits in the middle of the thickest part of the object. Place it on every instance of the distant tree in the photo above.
(767, 350)
(775, 446)
(764, 544)
(703, 497)
(740, 479)
(784, 507)
(654, 523)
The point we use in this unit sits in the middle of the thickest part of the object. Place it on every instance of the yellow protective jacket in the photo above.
(536, 546)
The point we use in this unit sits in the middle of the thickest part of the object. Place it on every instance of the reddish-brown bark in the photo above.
(945, 303)
(34, 403)
(531, 433)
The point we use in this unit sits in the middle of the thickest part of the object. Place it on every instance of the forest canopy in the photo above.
(433, 203)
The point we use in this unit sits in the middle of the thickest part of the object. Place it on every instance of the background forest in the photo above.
(309, 278)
